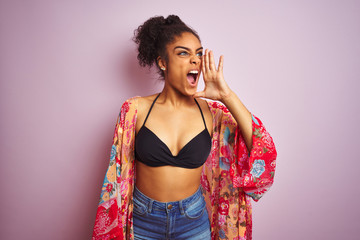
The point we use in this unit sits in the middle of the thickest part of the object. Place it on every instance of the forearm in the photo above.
(241, 115)
(217, 89)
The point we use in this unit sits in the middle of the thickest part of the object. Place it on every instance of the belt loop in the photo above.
(150, 205)
(181, 207)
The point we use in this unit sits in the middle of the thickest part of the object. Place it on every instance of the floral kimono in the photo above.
(231, 176)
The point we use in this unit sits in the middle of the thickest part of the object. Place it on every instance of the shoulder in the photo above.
(143, 103)
(215, 106)
(130, 103)
(146, 100)
(220, 113)
(137, 105)
(139, 101)
(202, 102)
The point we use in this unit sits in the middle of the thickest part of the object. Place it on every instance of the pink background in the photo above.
(67, 66)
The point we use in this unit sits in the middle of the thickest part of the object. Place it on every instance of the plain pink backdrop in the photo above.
(67, 66)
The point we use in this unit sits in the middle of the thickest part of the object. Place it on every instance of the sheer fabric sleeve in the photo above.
(253, 171)
(108, 222)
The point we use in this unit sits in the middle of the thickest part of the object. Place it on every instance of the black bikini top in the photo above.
(152, 151)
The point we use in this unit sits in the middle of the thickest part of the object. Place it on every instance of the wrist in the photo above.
(226, 97)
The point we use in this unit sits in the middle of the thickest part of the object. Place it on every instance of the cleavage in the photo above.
(194, 136)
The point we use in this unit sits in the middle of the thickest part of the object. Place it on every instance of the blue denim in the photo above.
(185, 219)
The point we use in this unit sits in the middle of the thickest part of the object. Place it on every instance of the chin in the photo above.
(191, 92)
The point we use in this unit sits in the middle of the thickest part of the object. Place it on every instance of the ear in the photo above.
(161, 63)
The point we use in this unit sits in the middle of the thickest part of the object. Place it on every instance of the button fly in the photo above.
(169, 206)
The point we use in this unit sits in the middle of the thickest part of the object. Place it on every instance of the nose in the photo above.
(195, 60)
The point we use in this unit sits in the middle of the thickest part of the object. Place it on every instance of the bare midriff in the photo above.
(167, 183)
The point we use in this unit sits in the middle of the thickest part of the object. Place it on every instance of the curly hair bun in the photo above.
(153, 36)
(146, 37)
(172, 20)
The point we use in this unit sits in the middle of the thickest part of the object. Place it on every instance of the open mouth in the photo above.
(192, 76)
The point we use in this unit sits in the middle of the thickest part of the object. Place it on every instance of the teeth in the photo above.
(194, 71)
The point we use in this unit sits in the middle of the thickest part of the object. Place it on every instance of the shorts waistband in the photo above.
(167, 206)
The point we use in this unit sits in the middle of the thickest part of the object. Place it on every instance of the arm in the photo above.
(245, 145)
(241, 115)
(252, 172)
(217, 89)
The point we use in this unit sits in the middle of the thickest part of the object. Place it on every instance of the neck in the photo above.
(174, 98)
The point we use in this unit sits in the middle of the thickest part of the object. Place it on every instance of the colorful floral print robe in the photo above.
(231, 176)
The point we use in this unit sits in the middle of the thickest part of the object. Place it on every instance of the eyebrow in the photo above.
(188, 49)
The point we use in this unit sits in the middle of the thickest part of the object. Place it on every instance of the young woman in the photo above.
(182, 167)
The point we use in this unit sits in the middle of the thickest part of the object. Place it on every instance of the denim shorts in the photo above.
(184, 219)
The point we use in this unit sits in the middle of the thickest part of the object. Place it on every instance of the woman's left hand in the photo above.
(215, 85)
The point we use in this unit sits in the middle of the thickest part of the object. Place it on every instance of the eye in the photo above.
(183, 53)
(199, 54)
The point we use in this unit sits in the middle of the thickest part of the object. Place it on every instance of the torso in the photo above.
(175, 129)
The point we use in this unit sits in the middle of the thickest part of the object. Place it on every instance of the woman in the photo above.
(182, 167)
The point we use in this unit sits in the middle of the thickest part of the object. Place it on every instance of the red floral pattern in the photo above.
(231, 176)
(223, 206)
(109, 187)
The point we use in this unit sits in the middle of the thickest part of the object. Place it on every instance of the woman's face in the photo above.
(184, 63)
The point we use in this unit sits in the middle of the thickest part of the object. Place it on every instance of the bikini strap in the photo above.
(151, 108)
(202, 115)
